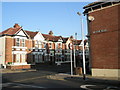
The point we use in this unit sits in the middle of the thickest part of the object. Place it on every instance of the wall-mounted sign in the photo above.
(99, 31)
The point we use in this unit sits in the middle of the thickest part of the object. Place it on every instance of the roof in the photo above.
(91, 4)
(65, 39)
(51, 38)
(98, 2)
(13, 30)
(31, 33)
(10, 31)
(76, 42)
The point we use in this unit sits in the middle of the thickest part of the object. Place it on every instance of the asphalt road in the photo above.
(39, 79)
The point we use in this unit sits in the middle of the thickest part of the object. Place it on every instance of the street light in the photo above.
(75, 50)
(82, 32)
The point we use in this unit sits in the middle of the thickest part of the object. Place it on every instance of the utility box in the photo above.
(78, 70)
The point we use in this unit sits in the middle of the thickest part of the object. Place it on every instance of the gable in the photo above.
(39, 36)
(21, 33)
(60, 40)
(68, 41)
(81, 43)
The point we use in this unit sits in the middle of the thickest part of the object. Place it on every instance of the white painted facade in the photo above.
(39, 40)
(2, 50)
(21, 35)
(67, 43)
(39, 37)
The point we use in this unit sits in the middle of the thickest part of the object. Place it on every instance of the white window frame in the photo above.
(50, 45)
(17, 41)
(23, 42)
(40, 44)
(17, 58)
(44, 44)
(23, 56)
(37, 43)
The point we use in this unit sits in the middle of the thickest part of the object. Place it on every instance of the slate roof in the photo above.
(76, 42)
(31, 33)
(65, 39)
(51, 38)
(11, 31)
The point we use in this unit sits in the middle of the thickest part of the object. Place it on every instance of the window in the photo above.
(36, 58)
(37, 43)
(23, 42)
(60, 45)
(17, 42)
(56, 45)
(17, 58)
(50, 45)
(40, 58)
(40, 44)
(44, 45)
(23, 57)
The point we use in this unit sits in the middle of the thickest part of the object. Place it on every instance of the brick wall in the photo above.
(119, 36)
(29, 44)
(104, 45)
(8, 49)
(19, 67)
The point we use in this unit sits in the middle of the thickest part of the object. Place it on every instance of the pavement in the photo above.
(89, 78)
(16, 70)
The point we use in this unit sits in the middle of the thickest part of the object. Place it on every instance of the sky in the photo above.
(60, 17)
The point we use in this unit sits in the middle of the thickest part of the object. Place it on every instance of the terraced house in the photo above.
(22, 48)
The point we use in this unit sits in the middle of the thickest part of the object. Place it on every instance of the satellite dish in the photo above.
(91, 18)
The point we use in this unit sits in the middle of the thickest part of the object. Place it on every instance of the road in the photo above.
(40, 79)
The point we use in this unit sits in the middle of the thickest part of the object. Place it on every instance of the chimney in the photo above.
(71, 37)
(16, 26)
(51, 33)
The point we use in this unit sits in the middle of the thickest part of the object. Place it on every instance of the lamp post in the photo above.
(84, 70)
(75, 50)
(71, 58)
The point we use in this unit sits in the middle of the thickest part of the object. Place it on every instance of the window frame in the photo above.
(17, 41)
(17, 58)
(23, 42)
(23, 56)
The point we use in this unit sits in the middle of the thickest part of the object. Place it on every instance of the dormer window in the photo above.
(17, 42)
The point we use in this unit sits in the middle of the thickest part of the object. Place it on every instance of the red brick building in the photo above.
(103, 35)
(22, 48)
